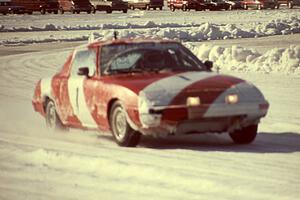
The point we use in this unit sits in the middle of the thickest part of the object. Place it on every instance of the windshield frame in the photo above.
(114, 53)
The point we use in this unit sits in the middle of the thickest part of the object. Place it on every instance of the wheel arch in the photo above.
(109, 107)
(108, 111)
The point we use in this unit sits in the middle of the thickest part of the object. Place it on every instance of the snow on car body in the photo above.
(149, 87)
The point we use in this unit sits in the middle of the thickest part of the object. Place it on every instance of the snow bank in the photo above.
(283, 60)
(183, 32)
(53, 27)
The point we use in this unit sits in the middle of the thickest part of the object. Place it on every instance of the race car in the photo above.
(155, 87)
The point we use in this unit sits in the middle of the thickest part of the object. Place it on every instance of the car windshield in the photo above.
(141, 57)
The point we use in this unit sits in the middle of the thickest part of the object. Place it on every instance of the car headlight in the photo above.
(232, 99)
(193, 101)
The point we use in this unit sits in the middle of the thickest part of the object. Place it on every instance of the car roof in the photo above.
(125, 41)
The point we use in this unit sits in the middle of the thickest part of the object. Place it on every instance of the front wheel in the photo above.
(52, 119)
(245, 135)
(108, 10)
(123, 134)
(259, 7)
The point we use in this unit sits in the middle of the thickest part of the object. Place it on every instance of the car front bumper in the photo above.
(216, 118)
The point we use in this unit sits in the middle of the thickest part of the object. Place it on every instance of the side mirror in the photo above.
(83, 71)
(209, 65)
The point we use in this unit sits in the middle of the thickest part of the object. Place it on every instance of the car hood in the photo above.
(173, 88)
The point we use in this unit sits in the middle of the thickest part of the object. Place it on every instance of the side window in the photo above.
(84, 58)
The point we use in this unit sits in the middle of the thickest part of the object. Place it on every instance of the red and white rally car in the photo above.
(148, 87)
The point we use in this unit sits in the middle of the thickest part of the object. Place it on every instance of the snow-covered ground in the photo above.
(185, 26)
(37, 164)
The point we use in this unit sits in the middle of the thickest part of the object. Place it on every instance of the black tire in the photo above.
(55, 12)
(147, 7)
(88, 12)
(123, 134)
(290, 5)
(172, 8)
(259, 7)
(43, 11)
(245, 135)
(52, 119)
(278, 6)
(93, 9)
(184, 8)
(61, 11)
(125, 11)
(245, 7)
(108, 10)
(132, 7)
(230, 7)
(29, 13)
(78, 12)
(160, 8)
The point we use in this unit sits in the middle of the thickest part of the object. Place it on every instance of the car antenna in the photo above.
(115, 35)
(91, 38)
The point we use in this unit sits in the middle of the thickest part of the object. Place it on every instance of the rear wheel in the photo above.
(290, 4)
(52, 120)
(245, 135)
(43, 11)
(160, 8)
(123, 134)
(61, 11)
(93, 10)
(125, 11)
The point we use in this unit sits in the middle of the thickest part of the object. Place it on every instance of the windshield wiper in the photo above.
(126, 70)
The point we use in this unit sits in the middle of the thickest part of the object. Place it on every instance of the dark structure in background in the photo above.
(110, 5)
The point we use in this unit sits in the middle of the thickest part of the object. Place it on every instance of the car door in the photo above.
(78, 86)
